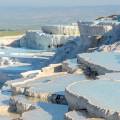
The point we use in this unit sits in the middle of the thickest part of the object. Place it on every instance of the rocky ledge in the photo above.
(20, 104)
(95, 97)
(47, 87)
(76, 115)
(110, 76)
(100, 61)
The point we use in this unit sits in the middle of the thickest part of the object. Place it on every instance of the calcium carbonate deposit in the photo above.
(96, 97)
(62, 72)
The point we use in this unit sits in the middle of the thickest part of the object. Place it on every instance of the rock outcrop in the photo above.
(76, 115)
(109, 48)
(20, 104)
(72, 29)
(115, 76)
(71, 66)
(44, 41)
(36, 114)
(100, 61)
(43, 87)
(95, 97)
(5, 61)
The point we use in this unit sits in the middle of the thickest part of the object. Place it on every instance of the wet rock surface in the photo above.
(109, 48)
(82, 95)
(36, 114)
(20, 104)
(110, 76)
(76, 115)
(47, 85)
(100, 61)
(46, 111)
(46, 90)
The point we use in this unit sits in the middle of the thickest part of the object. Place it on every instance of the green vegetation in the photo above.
(11, 33)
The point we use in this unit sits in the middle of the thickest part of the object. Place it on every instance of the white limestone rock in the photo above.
(5, 114)
(5, 61)
(4, 118)
(112, 47)
(45, 86)
(46, 111)
(70, 50)
(72, 29)
(110, 76)
(44, 41)
(99, 98)
(100, 61)
(70, 65)
(36, 114)
(76, 115)
(20, 104)
(4, 99)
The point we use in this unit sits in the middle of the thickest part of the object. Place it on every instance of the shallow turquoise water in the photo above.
(18, 68)
(55, 111)
(18, 52)
(25, 56)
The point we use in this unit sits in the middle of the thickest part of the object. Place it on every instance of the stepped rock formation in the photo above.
(100, 61)
(72, 29)
(110, 76)
(96, 97)
(44, 41)
(50, 37)
(5, 118)
(62, 84)
(45, 87)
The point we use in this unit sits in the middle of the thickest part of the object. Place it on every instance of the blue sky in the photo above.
(57, 2)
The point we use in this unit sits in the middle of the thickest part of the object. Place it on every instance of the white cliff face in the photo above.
(5, 118)
(109, 48)
(74, 115)
(62, 29)
(44, 41)
(36, 114)
(107, 31)
(50, 37)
